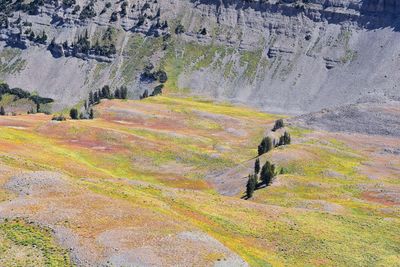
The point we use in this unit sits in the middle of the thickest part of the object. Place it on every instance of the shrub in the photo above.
(58, 118)
(73, 113)
(157, 90)
(179, 29)
(4, 89)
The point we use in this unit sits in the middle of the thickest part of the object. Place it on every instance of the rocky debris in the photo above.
(331, 63)
(275, 51)
(36, 183)
(366, 118)
(101, 231)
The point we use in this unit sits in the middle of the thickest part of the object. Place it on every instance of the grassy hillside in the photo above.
(144, 170)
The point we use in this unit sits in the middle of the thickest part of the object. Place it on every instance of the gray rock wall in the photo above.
(287, 57)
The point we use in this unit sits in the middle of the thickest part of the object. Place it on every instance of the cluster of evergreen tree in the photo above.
(105, 93)
(265, 145)
(266, 176)
(32, 7)
(75, 115)
(121, 93)
(156, 91)
(95, 98)
(68, 3)
(144, 95)
(19, 93)
(40, 38)
(105, 48)
(88, 11)
(284, 139)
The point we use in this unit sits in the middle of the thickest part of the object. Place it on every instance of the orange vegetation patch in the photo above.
(385, 198)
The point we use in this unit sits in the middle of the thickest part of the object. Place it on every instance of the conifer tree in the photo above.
(91, 114)
(286, 138)
(278, 124)
(251, 186)
(91, 98)
(257, 166)
(2, 111)
(117, 94)
(265, 146)
(124, 92)
(105, 91)
(267, 173)
(73, 113)
(96, 98)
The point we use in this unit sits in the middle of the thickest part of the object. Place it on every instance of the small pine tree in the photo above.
(124, 92)
(145, 94)
(73, 113)
(91, 98)
(96, 98)
(265, 146)
(117, 94)
(251, 186)
(257, 166)
(2, 111)
(286, 138)
(105, 92)
(91, 114)
(267, 173)
(278, 124)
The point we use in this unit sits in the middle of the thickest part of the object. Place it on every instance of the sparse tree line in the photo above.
(160, 76)
(19, 93)
(265, 174)
(95, 98)
(103, 47)
(267, 143)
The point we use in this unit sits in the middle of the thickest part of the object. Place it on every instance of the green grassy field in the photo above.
(156, 155)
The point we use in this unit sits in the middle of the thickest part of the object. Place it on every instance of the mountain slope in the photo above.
(135, 186)
(283, 56)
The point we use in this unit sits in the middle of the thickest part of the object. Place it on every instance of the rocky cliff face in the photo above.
(285, 56)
